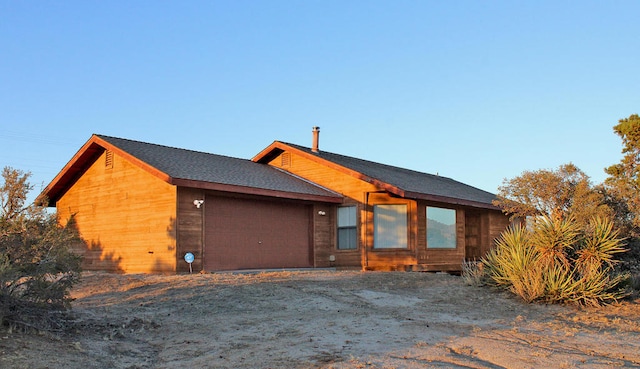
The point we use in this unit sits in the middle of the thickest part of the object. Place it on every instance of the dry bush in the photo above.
(473, 273)
(37, 268)
(37, 272)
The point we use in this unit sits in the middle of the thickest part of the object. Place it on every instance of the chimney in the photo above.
(316, 139)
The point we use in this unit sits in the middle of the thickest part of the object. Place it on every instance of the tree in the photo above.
(623, 184)
(37, 268)
(562, 193)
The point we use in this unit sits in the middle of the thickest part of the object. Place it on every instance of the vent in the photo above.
(285, 159)
(108, 159)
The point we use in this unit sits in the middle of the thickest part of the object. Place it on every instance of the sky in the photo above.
(478, 91)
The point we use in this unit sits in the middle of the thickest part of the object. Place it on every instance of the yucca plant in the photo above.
(554, 238)
(598, 288)
(559, 283)
(600, 244)
(539, 264)
(512, 264)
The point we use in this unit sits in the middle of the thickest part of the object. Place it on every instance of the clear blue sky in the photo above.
(478, 91)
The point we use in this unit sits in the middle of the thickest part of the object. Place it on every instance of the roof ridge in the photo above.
(370, 161)
(403, 179)
(107, 137)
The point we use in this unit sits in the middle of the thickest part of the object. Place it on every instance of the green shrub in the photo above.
(511, 264)
(37, 268)
(556, 262)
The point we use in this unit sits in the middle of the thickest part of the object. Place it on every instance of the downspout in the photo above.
(203, 230)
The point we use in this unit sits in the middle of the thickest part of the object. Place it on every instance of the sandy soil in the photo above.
(322, 319)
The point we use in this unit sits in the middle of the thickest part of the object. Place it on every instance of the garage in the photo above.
(245, 233)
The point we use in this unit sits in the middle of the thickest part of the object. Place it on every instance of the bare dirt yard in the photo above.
(322, 319)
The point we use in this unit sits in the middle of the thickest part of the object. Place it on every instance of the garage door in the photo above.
(250, 234)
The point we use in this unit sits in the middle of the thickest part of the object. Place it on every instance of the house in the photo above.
(142, 207)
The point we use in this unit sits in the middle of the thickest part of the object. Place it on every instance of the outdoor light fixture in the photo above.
(322, 213)
(198, 203)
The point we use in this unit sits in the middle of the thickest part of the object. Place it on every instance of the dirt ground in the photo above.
(322, 319)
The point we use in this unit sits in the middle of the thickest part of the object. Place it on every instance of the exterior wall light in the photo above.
(198, 203)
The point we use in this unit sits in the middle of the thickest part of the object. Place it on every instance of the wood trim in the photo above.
(449, 200)
(254, 191)
(82, 160)
(276, 148)
(134, 160)
(94, 147)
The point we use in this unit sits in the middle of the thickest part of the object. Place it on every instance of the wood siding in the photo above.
(496, 223)
(476, 228)
(433, 259)
(324, 231)
(190, 229)
(354, 190)
(126, 216)
(390, 259)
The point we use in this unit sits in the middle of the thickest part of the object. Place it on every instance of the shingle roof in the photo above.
(412, 184)
(195, 169)
(205, 167)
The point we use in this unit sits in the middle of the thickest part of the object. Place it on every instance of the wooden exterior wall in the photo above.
(125, 215)
(196, 235)
(477, 236)
(353, 189)
(190, 229)
(324, 231)
(434, 259)
(135, 222)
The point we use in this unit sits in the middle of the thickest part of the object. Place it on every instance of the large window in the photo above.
(390, 226)
(441, 228)
(347, 230)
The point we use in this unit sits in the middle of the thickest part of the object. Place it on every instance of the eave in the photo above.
(95, 146)
(254, 191)
(277, 148)
(82, 160)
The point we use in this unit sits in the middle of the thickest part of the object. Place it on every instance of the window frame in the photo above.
(351, 228)
(455, 229)
(377, 239)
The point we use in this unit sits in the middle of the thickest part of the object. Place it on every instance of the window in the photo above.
(347, 234)
(390, 226)
(441, 228)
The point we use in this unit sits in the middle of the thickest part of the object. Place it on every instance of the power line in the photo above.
(33, 138)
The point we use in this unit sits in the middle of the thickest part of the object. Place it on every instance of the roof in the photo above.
(191, 169)
(398, 181)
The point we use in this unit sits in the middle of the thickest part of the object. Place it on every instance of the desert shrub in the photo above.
(557, 262)
(512, 263)
(473, 272)
(634, 282)
(37, 268)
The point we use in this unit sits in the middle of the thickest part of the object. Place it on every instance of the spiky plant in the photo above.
(473, 272)
(600, 244)
(559, 283)
(601, 287)
(512, 264)
(554, 238)
(539, 264)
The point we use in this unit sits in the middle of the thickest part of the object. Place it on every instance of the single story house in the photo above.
(142, 207)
